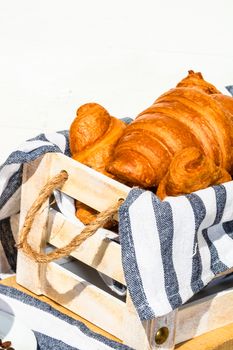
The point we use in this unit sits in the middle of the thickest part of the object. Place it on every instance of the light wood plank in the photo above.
(87, 185)
(134, 332)
(167, 321)
(141, 335)
(204, 315)
(97, 251)
(35, 176)
(11, 282)
(83, 298)
(14, 221)
(218, 339)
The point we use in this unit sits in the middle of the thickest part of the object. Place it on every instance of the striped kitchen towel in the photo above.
(56, 331)
(10, 188)
(230, 89)
(171, 249)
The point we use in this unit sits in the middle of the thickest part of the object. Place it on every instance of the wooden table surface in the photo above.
(219, 339)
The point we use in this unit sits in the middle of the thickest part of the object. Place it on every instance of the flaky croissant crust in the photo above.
(191, 170)
(180, 144)
(93, 136)
(192, 115)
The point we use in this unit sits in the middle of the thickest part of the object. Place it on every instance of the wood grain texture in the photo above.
(11, 282)
(204, 315)
(90, 187)
(134, 332)
(97, 251)
(219, 339)
(83, 298)
(141, 335)
(34, 178)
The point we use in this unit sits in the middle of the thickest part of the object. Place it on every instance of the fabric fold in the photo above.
(57, 331)
(172, 249)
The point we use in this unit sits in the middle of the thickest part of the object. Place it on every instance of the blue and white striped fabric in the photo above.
(10, 187)
(230, 89)
(171, 249)
(56, 331)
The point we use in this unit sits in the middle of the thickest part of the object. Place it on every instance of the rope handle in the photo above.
(56, 183)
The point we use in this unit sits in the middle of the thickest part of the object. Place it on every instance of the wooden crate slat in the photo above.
(87, 185)
(34, 178)
(142, 334)
(97, 251)
(83, 298)
(204, 315)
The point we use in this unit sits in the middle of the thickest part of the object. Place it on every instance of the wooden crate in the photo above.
(77, 293)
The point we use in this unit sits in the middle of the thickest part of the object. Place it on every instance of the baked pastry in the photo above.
(194, 117)
(93, 136)
(189, 171)
(196, 80)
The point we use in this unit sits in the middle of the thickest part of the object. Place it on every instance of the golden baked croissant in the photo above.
(189, 171)
(194, 114)
(93, 135)
(196, 80)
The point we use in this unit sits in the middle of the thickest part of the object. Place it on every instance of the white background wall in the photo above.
(58, 54)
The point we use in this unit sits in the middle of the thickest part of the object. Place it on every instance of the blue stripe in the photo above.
(221, 195)
(216, 265)
(65, 133)
(228, 228)
(129, 259)
(25, 157)
(44, 342)
(13, 184)
(19, 157)
(230, 89)
(40, 137)
(199, 212)
(29, 300)
(127, 120)
(8, 242)
(164, 220)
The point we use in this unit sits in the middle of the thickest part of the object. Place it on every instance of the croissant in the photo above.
(184, 136)
(188, 169)
(93, 135)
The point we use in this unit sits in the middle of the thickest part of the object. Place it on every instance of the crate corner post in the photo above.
(142, 334)
(35, 176)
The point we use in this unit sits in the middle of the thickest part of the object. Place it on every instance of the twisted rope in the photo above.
(56, 183)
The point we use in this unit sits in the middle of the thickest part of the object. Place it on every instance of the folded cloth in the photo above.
(52, 329)
(171, 249)
(10, 187)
